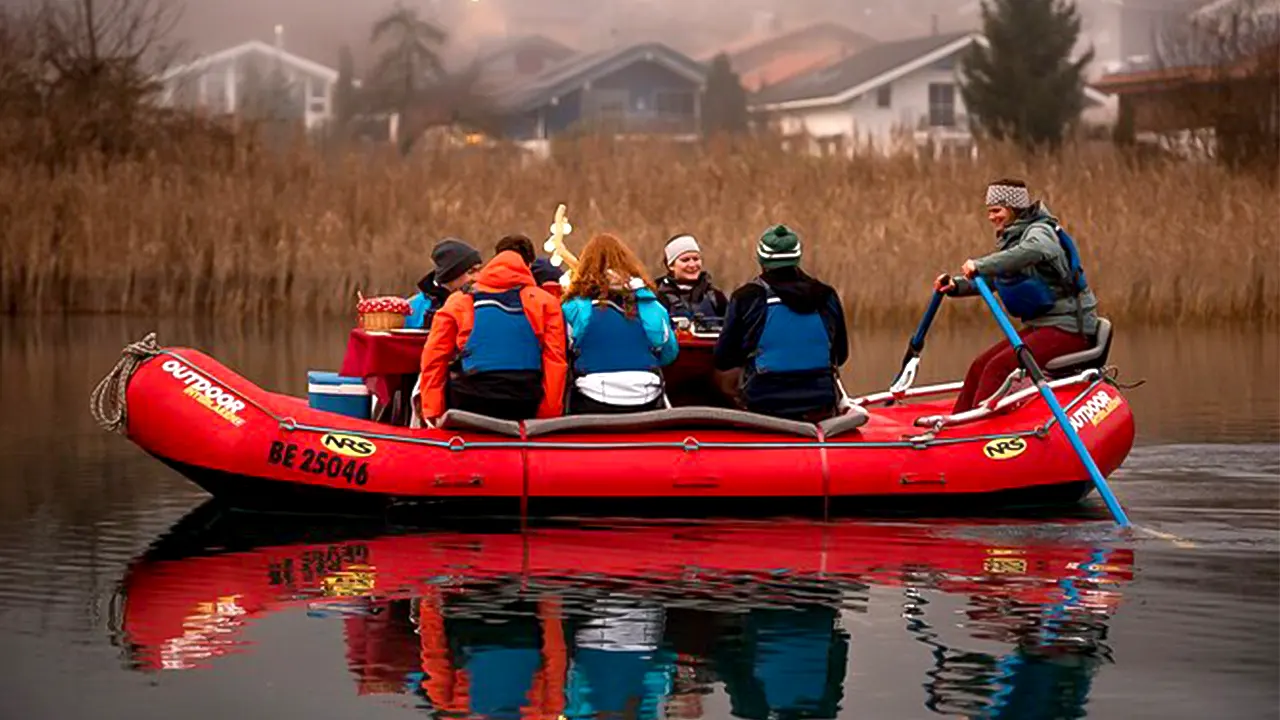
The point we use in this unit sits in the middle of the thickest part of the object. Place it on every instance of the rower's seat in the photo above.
(1093, 358)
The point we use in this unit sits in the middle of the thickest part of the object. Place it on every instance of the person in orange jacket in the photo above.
(497, 347)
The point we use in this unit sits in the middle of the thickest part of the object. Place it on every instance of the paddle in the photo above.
(911, 360)
(1029, 364)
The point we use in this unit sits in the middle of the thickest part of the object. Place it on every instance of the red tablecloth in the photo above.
(383, 359)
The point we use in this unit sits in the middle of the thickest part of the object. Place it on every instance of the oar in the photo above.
(1029, 364)
(911, 360)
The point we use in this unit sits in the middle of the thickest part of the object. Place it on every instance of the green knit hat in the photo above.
(779, 247)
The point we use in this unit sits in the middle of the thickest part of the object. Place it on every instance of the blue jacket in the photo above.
(423, 306)
(653, 316)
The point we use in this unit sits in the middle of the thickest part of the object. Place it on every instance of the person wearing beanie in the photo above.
(1036, 271)
(686, 290)
(497, 346)
(784, 336)
(455, 264)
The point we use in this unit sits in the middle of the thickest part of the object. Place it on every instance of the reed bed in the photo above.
(297, 233)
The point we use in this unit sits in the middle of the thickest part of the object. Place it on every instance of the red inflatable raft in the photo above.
(263, 450)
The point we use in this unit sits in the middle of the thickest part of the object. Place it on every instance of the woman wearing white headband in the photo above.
(686, 290)
(1036, 272)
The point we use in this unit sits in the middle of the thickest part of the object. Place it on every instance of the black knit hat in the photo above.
(452, 258)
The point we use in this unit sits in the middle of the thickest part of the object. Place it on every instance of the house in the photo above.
(1191, 95)
(647, 88)
(515, 59)
(253, 74)
(889, 96)
(761, 62)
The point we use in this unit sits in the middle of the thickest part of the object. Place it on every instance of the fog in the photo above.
(316, 29)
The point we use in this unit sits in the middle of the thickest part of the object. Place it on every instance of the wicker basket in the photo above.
(381, 313)
(381, 321)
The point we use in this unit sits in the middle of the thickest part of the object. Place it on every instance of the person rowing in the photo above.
(1037, 275)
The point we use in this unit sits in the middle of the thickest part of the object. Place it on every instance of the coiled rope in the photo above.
(107, 401)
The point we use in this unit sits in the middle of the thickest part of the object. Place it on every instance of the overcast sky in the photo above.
(317, 28)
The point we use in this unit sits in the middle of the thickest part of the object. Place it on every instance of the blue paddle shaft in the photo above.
(917, 340)
(1024, 356)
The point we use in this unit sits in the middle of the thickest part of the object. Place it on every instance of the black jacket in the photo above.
(702, 298)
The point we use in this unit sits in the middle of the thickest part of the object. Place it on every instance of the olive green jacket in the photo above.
(1030, 245)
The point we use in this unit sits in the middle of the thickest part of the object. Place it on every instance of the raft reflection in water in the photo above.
(641, 620)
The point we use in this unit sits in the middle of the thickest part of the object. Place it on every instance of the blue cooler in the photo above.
(334, 393)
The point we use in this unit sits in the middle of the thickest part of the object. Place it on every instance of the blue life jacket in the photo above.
(790, 341)
(792, 658)
(608, 682)
(501, 340)
(613, 342)
(1028, 296)
(501, 678)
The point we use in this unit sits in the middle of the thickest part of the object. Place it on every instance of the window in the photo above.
(605, 103)
(942, 105)
(884, 96)
(674, 103)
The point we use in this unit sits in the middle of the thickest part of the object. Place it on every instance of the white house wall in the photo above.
(864, 122)
(215, 88)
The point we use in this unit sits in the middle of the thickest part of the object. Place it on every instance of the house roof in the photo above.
(571, 74)
(860, 73)
(863, 72)
(252, 46)
(787, 66)
(1154, 79)
(750, 53)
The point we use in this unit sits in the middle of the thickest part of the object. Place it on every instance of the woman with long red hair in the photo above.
(620, 335)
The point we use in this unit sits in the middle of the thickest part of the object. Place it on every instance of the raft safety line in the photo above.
(689, 444)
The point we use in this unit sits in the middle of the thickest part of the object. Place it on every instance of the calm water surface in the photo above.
(124, 594)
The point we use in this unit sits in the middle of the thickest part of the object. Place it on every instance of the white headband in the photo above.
(679, 246)
(1008, 196)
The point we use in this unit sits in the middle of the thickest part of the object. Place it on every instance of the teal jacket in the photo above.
(1029, 245)
(653, 317)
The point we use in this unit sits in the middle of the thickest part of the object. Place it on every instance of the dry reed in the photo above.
(297, 233)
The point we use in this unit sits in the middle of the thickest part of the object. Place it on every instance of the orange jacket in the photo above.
(452, 326)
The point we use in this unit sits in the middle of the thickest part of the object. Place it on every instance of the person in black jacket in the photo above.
(784, 337)
(686, 290)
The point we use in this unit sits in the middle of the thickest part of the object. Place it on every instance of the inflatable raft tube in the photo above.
(260, 450)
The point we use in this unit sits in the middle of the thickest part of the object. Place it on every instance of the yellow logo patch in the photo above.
(349, 445)
(1004, 448)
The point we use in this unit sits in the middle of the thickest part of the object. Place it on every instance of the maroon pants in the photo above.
(990, 368)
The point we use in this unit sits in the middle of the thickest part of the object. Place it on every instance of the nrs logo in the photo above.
(204, 392)
(349, 445)
(1004, 448)
(1094, 410)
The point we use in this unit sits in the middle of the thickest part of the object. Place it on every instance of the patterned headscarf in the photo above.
(1010, 196)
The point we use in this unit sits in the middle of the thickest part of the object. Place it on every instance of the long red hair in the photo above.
(604, 253)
